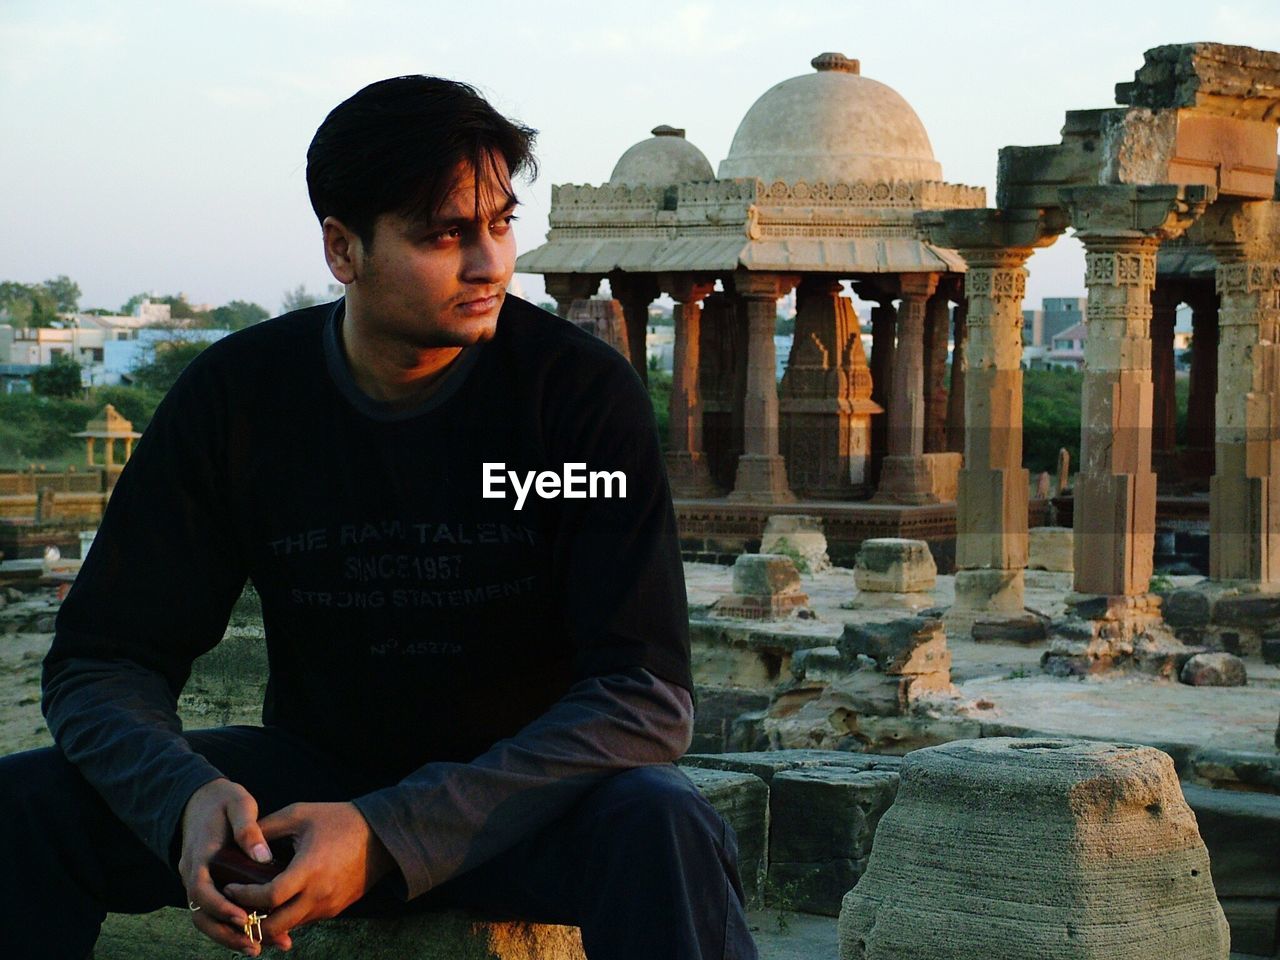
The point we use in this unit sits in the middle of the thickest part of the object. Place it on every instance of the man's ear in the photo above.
(343, 250)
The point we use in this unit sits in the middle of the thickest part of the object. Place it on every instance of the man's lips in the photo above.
(480, 306)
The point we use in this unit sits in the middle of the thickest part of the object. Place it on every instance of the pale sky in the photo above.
(161, 146)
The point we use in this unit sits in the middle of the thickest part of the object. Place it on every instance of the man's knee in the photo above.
(648, 804)
(34, 785)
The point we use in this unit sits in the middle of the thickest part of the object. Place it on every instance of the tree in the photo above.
(65, 293)
(237, 315)
(58, 379)
(298, 298)
(168, 358)
(28, 305)
(133, 302)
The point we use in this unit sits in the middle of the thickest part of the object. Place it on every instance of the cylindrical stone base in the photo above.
(1004, 849)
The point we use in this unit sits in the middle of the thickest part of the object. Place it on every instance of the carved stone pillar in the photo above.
(1121, 227)
(937, 332)
(991, 507)
(959, 371)
(1244, 494)
(1164, 413)
(564, 288)
(635, 291)
(1197, 457)
(686, 461)
(722, 381)
(825, 397)
(904, 476)
(762, 473)
(884, 332)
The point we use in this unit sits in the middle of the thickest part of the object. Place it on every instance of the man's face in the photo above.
(441, 284)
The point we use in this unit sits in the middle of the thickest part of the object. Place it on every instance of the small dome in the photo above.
(832, 125)
(665, 158)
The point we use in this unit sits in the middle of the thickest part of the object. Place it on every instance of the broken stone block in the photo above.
(1253, 610)
(823, 821)
(1024, 629)
(766, 586)
(1214, 670)
(799, 536)
(895, 565)
(819, 664)
(1045, 848)
(715, 713)
(910, 645)
(743, 800)
(1051, 548)
(766, 764)
(1186, 608)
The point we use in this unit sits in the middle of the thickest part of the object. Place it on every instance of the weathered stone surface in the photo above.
(1242, 833)
(1256, 610)
(743, 800)
(1047, 849)
(895, 565)
(717, 708)
(911, 645)
(802, 535)
(447, 935)
(1024, 629)
(1271, 650)
(725, 654)
(1186, 608)
(1214, 670)
(819, 664)
(990, 591)
(1050, 548)
(765, 764)
(765, 575)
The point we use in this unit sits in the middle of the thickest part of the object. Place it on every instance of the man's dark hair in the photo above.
(394, 146)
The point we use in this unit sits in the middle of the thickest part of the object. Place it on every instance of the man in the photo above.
(477, 684)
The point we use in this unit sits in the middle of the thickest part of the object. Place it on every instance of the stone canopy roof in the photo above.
(848, 212)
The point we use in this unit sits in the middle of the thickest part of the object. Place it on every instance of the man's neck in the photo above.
(389, 370)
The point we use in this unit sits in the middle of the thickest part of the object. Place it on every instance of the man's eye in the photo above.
(443, 236)
(503, 224)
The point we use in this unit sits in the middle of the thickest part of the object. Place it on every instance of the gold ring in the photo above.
(253, 927)
(193, 906)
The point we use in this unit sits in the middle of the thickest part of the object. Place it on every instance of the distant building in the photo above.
(1066, 350)
(1061, 313)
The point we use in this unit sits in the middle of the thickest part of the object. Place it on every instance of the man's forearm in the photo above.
(118, 723)
(448, 817)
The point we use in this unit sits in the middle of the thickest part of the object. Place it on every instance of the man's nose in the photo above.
(485, 260)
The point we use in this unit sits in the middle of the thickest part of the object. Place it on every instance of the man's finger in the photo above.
(213, 905)
(284, 822)
(282, 920)
(228, 935)
(242, 817)
(267, 897)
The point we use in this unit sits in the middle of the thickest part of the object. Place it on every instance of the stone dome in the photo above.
(665, 158)
(831, 125)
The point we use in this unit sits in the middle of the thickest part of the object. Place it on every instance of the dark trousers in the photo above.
(642, 863)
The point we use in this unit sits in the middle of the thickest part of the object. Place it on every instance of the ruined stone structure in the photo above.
(1054, 850)
(819, 186)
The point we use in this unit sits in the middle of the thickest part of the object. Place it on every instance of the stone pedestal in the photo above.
(765, 587)
(1054, 849)
(762, 473)
(825, 397)
(895, 565)
(795, 534)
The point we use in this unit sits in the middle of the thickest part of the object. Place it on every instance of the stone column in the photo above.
(762, 473)
(635, 291)
(904, 476)
(1244, 494)
(937, 332)
(686, 460)
(1164, 311)
(884, 324)
(1197, 457)
(991, 507)
(959, 370)
(1121, 227)
(564, 288)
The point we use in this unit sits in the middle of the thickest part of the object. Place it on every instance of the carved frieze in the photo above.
(1121, 269)
(996, 283)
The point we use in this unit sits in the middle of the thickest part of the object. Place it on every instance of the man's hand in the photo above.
(217, 813)
(337, 860)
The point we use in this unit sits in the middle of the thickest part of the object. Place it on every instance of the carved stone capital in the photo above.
(920, 285)
(686, 287)
(1120, 211)
(566, 287)
(634, 286)
(1130, 263)
(996, 283)
(763, 286)
(988, 233)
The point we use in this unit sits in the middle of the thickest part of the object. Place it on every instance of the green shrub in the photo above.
(1050, 418)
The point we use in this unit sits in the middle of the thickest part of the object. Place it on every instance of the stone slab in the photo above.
(1051, 548)
(765, 764)
(743, 800)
